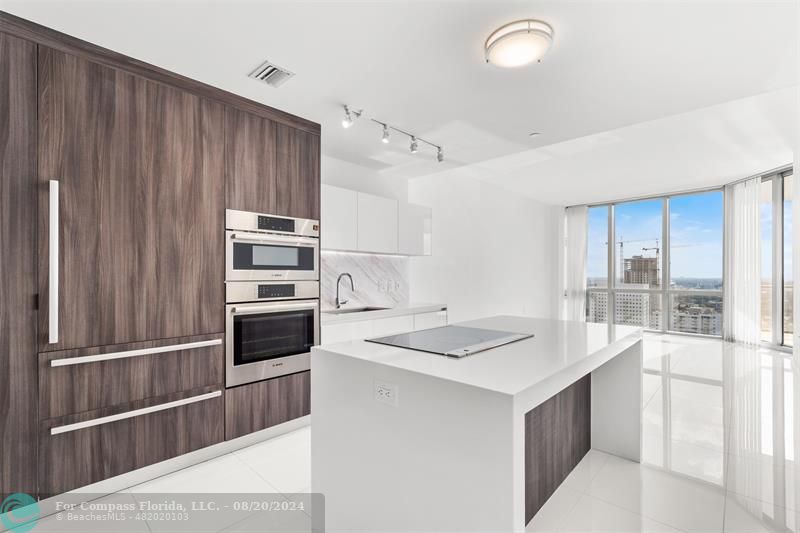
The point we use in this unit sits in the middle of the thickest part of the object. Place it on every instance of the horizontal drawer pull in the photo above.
(133, 353)
(131, 414)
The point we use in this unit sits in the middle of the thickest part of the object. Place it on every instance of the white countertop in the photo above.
(559, 350)
(400, 310)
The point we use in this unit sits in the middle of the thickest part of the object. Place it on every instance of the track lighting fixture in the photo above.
(349, 116)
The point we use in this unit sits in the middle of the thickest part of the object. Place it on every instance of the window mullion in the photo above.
(612, 273)
(777, 260)
(666, 311)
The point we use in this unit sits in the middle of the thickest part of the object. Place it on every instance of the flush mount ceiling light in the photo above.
(519, 43)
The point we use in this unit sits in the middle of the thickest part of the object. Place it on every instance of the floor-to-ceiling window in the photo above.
(777, 286)
(664, 259)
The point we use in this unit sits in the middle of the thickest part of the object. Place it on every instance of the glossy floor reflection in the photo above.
(718, 444)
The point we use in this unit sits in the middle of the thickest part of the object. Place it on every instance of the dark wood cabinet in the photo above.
(80, 449)
(146, 161)
(257, 406)
(298, 172)
(270, 167)
(250, 183)
(140, 172)
(86, 379)
(557, 436)
(17, 275)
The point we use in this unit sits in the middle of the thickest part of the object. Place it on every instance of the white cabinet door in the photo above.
(347, 331)
(377, 224)
(415, 229)
(430, 320)
(389, 326)
(339, 225)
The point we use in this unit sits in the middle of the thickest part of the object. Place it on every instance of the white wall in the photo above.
(494, 252)
(344, 174)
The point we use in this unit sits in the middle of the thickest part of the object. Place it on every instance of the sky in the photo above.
(695, 234)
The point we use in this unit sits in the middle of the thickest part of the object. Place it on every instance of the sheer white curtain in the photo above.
(742, 298)
(576, 226)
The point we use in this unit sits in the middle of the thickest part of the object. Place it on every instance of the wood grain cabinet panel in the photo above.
(17, 265)
(78, 457)
(557, 436)
(250, 179)
(86, 386)
(298, 173)
(140, 167)
(257, 406)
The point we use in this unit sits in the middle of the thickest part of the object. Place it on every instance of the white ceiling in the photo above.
(419, 65)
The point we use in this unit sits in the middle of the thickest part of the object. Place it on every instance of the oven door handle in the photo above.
(272, 308)
(278, 239)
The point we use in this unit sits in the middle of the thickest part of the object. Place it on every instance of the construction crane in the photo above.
(622, 243)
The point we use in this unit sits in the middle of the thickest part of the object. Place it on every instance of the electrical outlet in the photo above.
(387, 393)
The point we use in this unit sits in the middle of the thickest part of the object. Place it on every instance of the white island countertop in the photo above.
(413, 308)
(559, 350)
(471, 444)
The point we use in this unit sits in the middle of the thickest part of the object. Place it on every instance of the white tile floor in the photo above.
(718, 445)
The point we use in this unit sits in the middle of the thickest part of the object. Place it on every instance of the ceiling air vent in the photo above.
(271, 74)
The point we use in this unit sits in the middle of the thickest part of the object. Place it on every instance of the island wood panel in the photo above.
(250, 177)
(83, 456)
(257, 406)
(89, 386)
(18, 280)
(298, 173)
(50, 38)
(140, 167)
(557, 436)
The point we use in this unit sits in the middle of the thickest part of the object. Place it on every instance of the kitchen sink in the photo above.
(353, 310)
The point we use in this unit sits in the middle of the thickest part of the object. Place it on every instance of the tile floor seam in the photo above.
(262, 478)
(640, 514)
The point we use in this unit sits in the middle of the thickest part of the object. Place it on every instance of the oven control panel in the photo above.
(276, 291)
(256, 291)
(275, 224)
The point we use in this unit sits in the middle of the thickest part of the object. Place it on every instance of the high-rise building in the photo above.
(640, 269)
(631, 307)
(697, 319)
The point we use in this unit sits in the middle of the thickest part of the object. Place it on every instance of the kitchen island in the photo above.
(469, 444)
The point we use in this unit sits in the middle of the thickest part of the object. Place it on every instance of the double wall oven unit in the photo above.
(271, 294)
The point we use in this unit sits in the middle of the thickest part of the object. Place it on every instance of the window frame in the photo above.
(777, 275)
(664, 291)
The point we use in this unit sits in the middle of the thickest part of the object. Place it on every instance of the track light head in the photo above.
(439, 154)
(349, 116)
(413, 146)
(385, 138)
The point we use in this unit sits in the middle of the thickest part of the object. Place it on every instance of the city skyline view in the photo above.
(695, 262)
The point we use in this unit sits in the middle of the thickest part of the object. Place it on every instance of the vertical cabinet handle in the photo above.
(52, 308)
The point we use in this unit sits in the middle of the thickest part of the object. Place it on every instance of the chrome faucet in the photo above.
(339, 303)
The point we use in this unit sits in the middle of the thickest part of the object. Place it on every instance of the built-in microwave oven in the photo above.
(270, 248)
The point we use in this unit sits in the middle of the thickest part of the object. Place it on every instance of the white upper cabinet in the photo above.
(339, 225)
(356, 221)
(377, 224)
(415, 229)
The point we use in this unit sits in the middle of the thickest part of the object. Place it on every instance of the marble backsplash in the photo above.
(380, 280)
